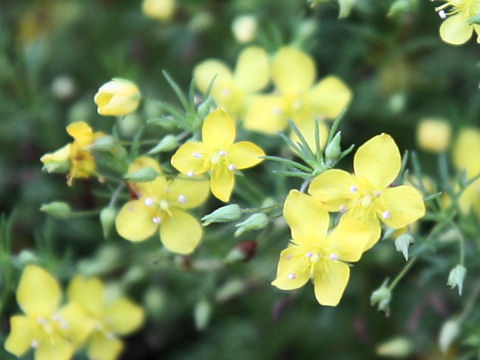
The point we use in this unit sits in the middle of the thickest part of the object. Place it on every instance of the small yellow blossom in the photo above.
(218, 154)
(314, 254)
(117, 97)
(367, 195)
(162, 10)
(297, 97)
(107, 319)
(232, 91)
(45, 327)
(161, 203)
(74, 156)
(456, 29)
(433, 134)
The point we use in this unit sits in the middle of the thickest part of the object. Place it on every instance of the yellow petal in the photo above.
(218, 130)
(23, 330)
(38, 293)
(348, 240)
(103, 348)
(456, 30)
(293, 71)
(466, 150)
(55, 348)
(370, 219)
(180, 233)
(378, 160)
(307, 218)
(142, 162)
(244, 154)
(191, 157)
(81, 132)
(306, 125)
(332, 188)
(222, 181)
(79, 324)
(401, 206)
(154, 189)
(87, 292)
(135, 221)
(208, 70)
(252, 72)
(57, 156)
(188, 193)
(267, 114)
(329, 97)
(117, 97)
(293, 269)
(330, 279)
(124, 316)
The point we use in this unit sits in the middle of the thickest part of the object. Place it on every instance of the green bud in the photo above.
(333, 149)
(474, 20)
(142, 175)
(226, 213)
(134, 275)
(456, 277)
(155, 301)
(381, 297)
(128, 125)
(402, 244)
(398, 347)
(103, 143)
(107, 220)
(168, 143)
(229, 290)
(201, 314)
(26, 257)
(448, 334)
(255, 221)
(400, 7)
(57, 209)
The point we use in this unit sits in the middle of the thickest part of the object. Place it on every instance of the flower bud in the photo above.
(117, 97)
(107, 220)
(62, 87)
(162, 10)
(255, 221)
(226, 213)
(27, 257)
(244, 28)
(229, 290)
(102, 143)
(243, 251)
(395, 348)
(400, 7)
(333, 149)
(58, 161)
(155, 301)
(456, 277)
(201, 314)
(57, 209)
(142, 175)
(168, 143)
(381, 297)
(448, 334)
(402, 243)
(433, 134)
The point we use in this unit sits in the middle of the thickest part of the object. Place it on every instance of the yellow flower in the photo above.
(74, 156)
(159, 9)
(314, 254)
(161, 203)
(456, 29)
(108, 319)
(367, 195)
(232, 90)
(117, 97)
(218, 154)
(433, 134)
(297, 97)
(45, 326)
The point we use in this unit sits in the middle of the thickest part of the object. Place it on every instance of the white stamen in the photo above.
(222, 153)
(277, 111)
(353, 188)
(342, 208)
(378, 193)
(197, 155)
(333, 257)
(292, 276)
(231, 167)
(309, 254)
(182, 199)
(386, 214)
(442, 14)
(288, 257)
(34, 344)
(149, 201)
(190, 173)
(157, 220)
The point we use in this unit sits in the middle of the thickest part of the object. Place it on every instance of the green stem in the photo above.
(402, 273)
(85, 213)
(470, 302)
(261, 209)
(115, 195)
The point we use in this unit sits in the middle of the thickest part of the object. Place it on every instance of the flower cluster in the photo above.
(89, 319)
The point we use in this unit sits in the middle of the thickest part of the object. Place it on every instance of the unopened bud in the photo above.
(226, 213)
(229, 290)
(243, 251)
(107, 219)
(433, 134)
(402, 243)
(155, 301)
(456, 277)
(395, 348)
(333, 149)
(26, 257)
(448, 334)
(168, 143)
(244, 28)
(381, 297)
(201, 314)
(399, 7)
(103, 143)
(142, 175)
(255, 221)
(57, 209)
